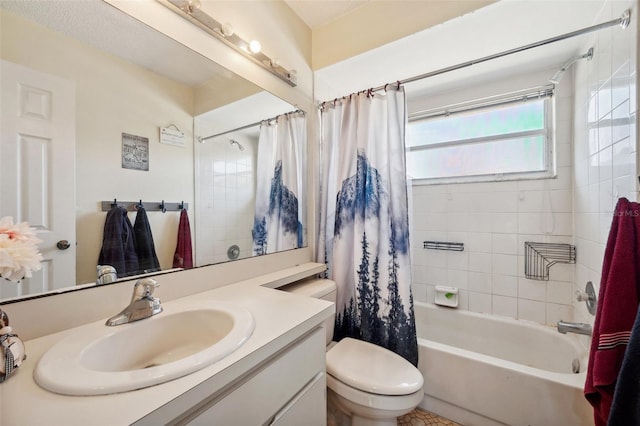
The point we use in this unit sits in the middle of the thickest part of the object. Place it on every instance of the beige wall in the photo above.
(112, 97)
(381, 22)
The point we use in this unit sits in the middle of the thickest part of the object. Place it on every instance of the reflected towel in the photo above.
(183, 255)
(118, 249)
(617, 307)
(145, 248)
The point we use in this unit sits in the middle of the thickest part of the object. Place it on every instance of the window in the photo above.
(501, 138)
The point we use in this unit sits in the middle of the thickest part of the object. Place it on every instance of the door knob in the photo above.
(63, 244)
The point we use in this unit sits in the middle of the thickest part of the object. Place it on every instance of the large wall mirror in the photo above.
(114, 80)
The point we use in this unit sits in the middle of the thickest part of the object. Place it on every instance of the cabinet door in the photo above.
(256, 400)
(305, 408)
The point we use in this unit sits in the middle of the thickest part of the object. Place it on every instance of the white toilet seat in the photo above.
(372, 369)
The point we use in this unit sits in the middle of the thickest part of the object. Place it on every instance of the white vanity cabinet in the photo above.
(287, 389)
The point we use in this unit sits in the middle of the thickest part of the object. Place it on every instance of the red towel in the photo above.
(183, 255)
(617, 308)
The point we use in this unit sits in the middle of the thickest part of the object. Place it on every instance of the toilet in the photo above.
(367, 384)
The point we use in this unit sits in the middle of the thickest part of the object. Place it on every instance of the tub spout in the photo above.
(565, 327)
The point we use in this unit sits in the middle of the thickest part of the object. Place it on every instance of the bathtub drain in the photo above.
(575, 366)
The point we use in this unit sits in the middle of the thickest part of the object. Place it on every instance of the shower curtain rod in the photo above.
(623, 21)
(202, 140)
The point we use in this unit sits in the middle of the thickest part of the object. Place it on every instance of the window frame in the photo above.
(547, 93)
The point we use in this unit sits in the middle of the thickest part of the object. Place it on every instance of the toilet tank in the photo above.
(319, 288)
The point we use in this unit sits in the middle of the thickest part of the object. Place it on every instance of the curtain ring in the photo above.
(398, 82)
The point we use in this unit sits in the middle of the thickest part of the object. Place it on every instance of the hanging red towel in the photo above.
(183, 255)
(617, 308)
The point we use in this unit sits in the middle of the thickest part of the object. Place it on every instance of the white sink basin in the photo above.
(99, 360)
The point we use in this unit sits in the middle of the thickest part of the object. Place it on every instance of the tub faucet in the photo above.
(565, 327)
(142, 305)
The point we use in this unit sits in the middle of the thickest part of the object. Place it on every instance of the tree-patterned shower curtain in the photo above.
(364, 225)
(279, 213)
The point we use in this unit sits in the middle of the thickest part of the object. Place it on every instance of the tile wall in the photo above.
(226, 198)
(596, 137)
(605, 127)
(493, 220)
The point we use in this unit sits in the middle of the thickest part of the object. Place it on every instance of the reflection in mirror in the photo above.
(112, 76)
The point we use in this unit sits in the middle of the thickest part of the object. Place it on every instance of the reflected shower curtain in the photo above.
(364, 228)
(278, 221)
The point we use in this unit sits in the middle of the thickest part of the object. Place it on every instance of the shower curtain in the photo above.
(278, 221)
(364, 228)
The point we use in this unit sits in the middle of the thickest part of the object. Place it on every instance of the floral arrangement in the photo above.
(19, 254)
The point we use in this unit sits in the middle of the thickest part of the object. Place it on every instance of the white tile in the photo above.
(435, 276)
(562, 272)
(457, 260)
(503, 202)
(531, 201)
(505, 306)
(561, 201)
(532, 289)
(560, 292)
(480, 262)
(557, 312)
(530, 223)
(480, 282)
(457, 221)
(419, 274)
(505, 264)
(463, 300)
(480, 302)
(532, 310)
(458, 279)
(506, 223)
(436, 258)
(563, 180)
(479, 242)
(419, 292)
(480, 222)
(504, 285)
(505, 243)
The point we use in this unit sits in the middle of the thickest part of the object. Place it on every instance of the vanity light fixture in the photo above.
(191, 11)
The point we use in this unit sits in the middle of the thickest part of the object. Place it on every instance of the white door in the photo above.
(37, 170)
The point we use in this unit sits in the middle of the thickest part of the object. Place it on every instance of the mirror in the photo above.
(127, 82)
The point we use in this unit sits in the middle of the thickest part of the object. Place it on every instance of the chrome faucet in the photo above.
(142, 305)
(106, 274)
(565, 327)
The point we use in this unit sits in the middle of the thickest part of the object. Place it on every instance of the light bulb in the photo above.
(255, 46)
(190, 5)
(226, 29)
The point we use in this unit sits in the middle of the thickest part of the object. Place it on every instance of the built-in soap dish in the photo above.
(446, 296)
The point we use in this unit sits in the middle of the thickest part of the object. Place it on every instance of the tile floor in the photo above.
(420, 417)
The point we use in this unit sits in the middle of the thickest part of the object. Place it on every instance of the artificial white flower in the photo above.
(19, 254)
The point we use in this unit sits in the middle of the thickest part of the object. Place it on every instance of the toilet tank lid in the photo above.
(314, 287)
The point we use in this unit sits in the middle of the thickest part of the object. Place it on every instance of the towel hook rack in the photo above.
(149, 206)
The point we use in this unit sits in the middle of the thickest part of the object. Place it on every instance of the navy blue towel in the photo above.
(625, 409)
(118, 249)
(145, 249)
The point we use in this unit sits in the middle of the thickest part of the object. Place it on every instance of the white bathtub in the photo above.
(482, 369)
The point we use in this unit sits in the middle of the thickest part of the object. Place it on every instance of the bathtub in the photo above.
(482, 369)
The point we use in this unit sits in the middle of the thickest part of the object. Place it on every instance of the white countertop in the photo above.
(280, 319)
